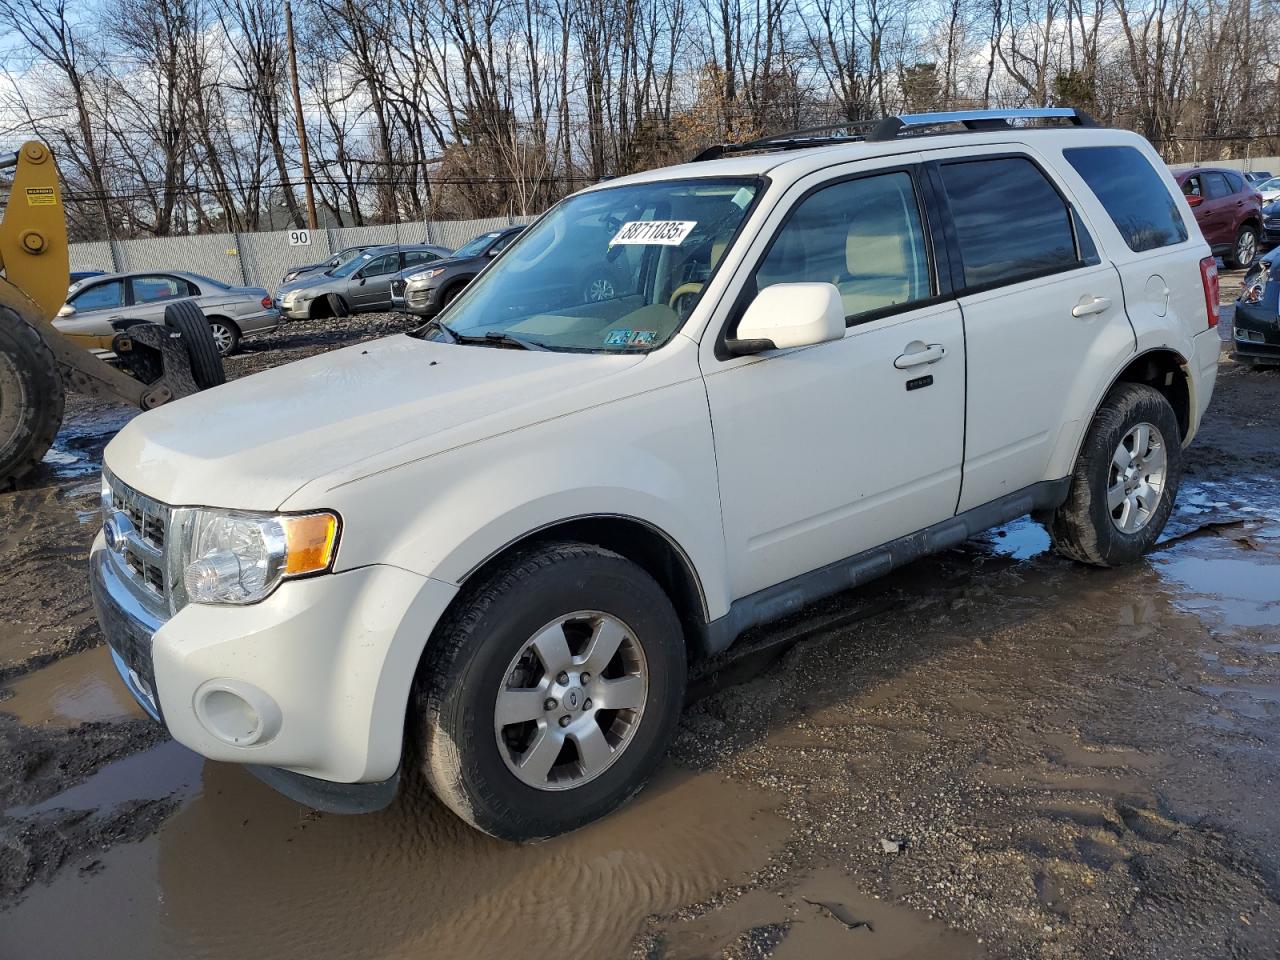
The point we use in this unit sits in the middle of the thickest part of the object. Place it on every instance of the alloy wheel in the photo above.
(223, 338)
(571, 701)
(1247, 248)
(600, 289)
(1136, 478)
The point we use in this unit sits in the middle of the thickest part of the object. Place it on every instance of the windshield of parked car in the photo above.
(609, 270)
(1272, 184)
(348, 267)
(475, 246)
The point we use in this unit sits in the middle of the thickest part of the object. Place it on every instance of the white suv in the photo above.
(484, 552)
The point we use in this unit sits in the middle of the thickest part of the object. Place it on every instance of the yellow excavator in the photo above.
(152, 364)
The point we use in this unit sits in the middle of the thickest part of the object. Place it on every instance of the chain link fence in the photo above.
(262, 259)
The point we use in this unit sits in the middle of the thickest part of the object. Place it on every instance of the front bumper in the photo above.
(295, 309)
(421, 301)
(1256, 332)
(326, 663)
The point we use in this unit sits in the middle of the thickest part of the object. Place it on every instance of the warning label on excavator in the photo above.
(41, 197)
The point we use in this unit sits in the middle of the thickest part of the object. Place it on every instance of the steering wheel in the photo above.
(684, 290)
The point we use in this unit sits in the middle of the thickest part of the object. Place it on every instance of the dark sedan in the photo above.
(360, 285)
(427, 291)
(1256, 325)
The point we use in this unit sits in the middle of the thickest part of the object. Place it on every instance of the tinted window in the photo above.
(1216, 186)
(1235, 181)
(387, 263)
(414, 257)
(100, 296)
(151, 289)
(863, 235)
(1010, 221)
(1133, 194)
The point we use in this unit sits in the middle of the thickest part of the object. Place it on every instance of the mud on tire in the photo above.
(31, 398)
(1084, 527)
(466, 670)
(206, 364)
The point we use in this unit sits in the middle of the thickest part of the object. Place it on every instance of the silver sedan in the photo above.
(100, 307)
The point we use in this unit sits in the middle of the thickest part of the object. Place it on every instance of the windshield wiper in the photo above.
(498, 338)
(434, 324)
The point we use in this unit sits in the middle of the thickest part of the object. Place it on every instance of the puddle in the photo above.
(77, 450)
(241, 871)
(73, 690)
(1237, 587)
(1021, 540)
(825, 917)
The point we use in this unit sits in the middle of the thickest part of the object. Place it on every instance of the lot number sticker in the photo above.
(665, 233)
(299, 238)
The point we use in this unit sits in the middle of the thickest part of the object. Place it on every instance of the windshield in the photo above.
(475, 246)
(1272, 184)
(610, 270)
(348, 267)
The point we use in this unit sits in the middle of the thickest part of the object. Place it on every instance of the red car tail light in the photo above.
(1209, 277)
(268, 303)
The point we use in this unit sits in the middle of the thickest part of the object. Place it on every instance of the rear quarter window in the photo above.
(1132, 193)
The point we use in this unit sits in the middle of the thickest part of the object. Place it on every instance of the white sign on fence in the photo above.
(299, 238)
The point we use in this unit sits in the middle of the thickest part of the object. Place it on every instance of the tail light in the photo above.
(268, 303)
(1209, 277)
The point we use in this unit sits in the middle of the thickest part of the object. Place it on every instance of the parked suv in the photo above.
(1229, 211)
(427, 291)
(489, 549)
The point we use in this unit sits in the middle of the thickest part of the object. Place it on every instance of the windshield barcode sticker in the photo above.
(667, 233)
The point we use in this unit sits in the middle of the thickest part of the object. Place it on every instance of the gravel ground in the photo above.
(993, 752)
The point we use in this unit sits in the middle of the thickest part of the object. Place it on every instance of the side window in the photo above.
(100, 296)
(1216, 186)
(387, 263)
(864, 236)
(1235, 181)
(1010, 222)
(502, 244)
(150, 289)
(414, 257)
(1192, 187)
(1132, 193)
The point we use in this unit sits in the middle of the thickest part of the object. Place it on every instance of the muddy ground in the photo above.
(991, 753)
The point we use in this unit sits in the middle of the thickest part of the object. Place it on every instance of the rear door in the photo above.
(1217, 221)
(1039, 308)
(150, 293)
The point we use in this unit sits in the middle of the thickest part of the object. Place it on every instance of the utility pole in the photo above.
(297, 109)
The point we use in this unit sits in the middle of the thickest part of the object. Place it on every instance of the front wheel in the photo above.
(549, 695)
(1245, 250)
(1125, 480)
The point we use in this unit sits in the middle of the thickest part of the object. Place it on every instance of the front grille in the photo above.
(139, 551)
(397, 288)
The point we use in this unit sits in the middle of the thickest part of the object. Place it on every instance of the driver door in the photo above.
(829, 450)
(371, 286)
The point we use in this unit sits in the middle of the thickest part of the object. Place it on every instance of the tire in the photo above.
(31, 398)
(451, 294)
(226, 335)
(1245, 250)
(485, 641)
(1089, 528)
(337, 306)
(189, 321)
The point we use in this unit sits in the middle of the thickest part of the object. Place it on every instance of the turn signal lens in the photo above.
(309, 543)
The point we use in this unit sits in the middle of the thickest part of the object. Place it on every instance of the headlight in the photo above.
(226, 556)
(291, 275)
(1255, 282)
(425, 275)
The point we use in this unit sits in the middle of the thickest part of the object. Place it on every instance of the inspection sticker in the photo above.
(665, 233)
(41, 197)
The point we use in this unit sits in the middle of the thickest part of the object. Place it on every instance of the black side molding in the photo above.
(324, 794)
(784, 599)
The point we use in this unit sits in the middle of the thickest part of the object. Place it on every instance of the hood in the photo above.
(315, 278)
(254, 441)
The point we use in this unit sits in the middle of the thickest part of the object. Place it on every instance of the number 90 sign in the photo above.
(299, 238)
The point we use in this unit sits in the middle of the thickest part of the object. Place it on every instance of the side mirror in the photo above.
(790, 315)
(1193, 200)
(66, 310)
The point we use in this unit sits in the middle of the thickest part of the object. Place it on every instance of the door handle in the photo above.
(1088, 307)
(917, 352)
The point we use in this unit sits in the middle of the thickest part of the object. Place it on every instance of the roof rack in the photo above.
(890, 128)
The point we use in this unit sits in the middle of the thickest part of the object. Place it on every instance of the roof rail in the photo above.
(794, 139)
(889, 128)
(910, 123)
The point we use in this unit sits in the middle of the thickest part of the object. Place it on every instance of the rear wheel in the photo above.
(549, 695)
(226, 335)
(1245, 249)
(206, 363)
(1125, 480)
(31, 398)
